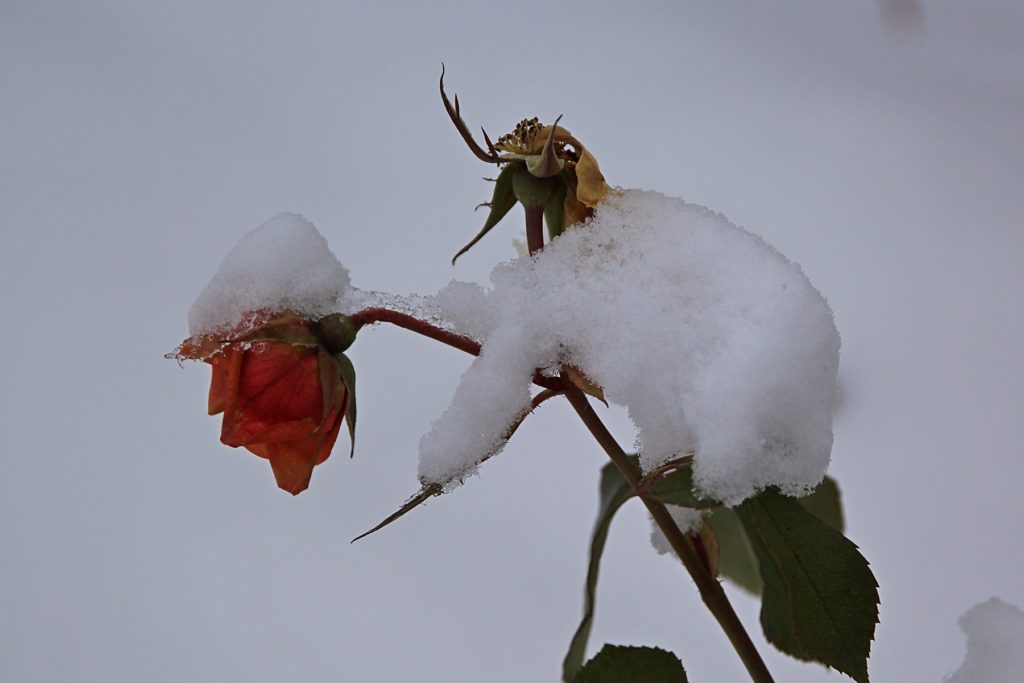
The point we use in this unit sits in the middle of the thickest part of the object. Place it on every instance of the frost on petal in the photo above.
(995, 644)
(283, 265)
(713, 340)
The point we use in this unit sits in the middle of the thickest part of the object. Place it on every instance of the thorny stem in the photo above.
(534, 228)
(534, 404)
(711, 591)
(369, 316)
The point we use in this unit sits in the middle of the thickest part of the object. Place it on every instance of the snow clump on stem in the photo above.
(712, 339)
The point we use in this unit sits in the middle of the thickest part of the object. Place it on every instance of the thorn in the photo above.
(454, 113)
(487, 204)
(490, 145)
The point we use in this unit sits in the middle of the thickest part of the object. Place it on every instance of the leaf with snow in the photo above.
(820, 600)
(737, 561)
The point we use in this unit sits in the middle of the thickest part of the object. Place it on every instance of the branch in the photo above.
(711, 591)
(369, 316)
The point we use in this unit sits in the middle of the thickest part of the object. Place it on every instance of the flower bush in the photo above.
(283, 384)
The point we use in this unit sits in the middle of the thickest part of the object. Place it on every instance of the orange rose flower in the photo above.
(282, 392)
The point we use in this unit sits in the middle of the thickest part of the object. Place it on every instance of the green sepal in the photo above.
(676, 488)
(622, 663)
(348, 376)
(554, 210)
(820, 599)
(613, 492)
(532, 191)
(546, 164)
(542, 165)
(502, 201)
(336, 332)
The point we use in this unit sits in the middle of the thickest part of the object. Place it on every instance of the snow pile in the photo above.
(285, 264)
(995, 644)
(687, 519)
(712, 339)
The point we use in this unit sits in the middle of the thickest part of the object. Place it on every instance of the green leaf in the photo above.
(348, 376)
(614, 491)
(554, 210)
(736, 559)
(625, 664)
(421, 497)
(676, 488)
(825, 503)
(532, 191)
(820, 598)
(501, 203)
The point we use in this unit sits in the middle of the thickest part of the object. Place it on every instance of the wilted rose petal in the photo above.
(282, 394)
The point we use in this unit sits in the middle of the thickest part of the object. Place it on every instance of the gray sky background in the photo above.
(140, 141)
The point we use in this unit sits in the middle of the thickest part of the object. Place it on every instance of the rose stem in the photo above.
(710, 590)
(369, 316)
(534, 228)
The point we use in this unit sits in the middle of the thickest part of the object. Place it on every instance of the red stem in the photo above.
(534, 228)
(369, 316)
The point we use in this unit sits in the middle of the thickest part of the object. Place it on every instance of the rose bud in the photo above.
(283, 391)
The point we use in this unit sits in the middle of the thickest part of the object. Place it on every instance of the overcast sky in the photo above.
(883, 152)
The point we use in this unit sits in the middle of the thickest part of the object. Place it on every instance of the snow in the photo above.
(995, 644)
(285, 264)
(485, 405)
(713, 340)
(687, 519)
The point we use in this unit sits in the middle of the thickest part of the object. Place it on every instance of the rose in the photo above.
(544, 168)
(284, 388)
